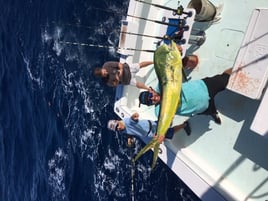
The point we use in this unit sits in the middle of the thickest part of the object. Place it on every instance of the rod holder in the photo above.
(198, 39)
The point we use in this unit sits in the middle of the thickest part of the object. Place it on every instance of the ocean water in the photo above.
(54, 144)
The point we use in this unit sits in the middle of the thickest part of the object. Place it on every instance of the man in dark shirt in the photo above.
(114, 73)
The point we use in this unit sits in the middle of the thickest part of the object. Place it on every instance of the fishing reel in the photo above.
(180, 11)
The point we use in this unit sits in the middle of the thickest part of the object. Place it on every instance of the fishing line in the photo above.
(132, 176)
(75, 25)
(104, 46)
(87, 44)
(132, 161)
(109, 11)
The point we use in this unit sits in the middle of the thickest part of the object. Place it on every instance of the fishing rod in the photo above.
(155, 21)
(178, 11)
(177, 37)
(104, 46)
(181, 28)
(149, 36)
(180, 25)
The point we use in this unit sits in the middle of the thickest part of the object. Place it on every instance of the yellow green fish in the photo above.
(168, 68)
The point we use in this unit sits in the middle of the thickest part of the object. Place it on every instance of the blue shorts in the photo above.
(170, 133)
(215, 85)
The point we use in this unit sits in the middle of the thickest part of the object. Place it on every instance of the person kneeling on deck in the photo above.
(143, 129)
(114, 73)
(197, 96)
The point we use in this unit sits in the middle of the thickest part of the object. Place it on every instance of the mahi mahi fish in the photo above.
(168, 68)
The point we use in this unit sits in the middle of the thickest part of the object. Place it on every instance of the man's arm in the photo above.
(140, 85)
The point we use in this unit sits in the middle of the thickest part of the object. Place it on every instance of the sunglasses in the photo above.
(149, 100)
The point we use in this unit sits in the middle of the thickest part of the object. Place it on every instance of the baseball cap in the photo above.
(112, 125)
(145, 98)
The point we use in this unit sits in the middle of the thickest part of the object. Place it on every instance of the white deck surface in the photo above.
(229, 157)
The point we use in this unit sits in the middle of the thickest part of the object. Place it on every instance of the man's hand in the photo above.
(160, 138)
(151, 90)
(120, 66)
(130, 141)
(135, 116)
(115, 83)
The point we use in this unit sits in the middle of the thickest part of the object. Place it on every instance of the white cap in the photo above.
(112, 124)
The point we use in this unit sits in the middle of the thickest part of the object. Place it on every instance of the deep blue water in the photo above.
(54, 144)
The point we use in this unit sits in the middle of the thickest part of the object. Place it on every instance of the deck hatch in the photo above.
(250, 70)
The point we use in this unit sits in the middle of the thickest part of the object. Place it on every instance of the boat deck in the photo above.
(230, 157)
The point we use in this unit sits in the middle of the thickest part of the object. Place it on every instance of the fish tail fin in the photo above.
(145, 149)
(156, 151)
(153, 144)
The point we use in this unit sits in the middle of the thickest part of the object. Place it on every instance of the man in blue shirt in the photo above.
(143, 129)
(197, 96)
